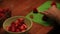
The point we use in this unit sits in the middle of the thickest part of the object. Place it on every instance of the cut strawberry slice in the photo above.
(21, 23)
(2, 16)
(13, 29)
(53, 3)
(35, 10)
(17, 30)
(25, 26)
(23, 31)
(21, 20)
(22, 28)
(7, 27)
(1, 10)
(17, 22)
(13, 24)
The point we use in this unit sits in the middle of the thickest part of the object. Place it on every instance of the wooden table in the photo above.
(39, 29)
(23, 7)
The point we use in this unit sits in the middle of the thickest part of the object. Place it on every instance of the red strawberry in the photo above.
(17, 30)
(23, 31)
(17, 26)
(25, 26)
(13, 24)
(22, 27)
(1, 10)
(20, 22)
(7, 27)
(2, 16)
(21, 19)
(13, 29)
(53, 3)
(35, 10)
(16, 22)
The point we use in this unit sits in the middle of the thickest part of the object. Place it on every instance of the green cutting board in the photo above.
(38, 17)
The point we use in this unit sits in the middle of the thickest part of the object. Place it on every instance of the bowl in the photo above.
(8, 22)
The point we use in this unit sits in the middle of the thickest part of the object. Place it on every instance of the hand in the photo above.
(52, 13)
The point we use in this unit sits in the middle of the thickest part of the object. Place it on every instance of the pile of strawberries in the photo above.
(17, 26)
(4, 14)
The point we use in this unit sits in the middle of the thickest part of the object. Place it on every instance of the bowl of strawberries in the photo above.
(17, 25)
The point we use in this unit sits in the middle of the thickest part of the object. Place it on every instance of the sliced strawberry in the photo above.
(20, 24)
(22, 27)
(17, 30)
(23, 31)
(13, 29)
(1, 10)
(7, 27)
(25, 26)
(17, 26)
(35, 10)
(16, 22)
(21, 19)
(53, 3)
(2, 16)
(13, 24)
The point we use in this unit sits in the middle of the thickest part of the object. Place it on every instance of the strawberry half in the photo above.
(17, 30)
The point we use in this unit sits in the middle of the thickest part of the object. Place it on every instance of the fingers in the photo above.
(44, 13)
(53, 8)
(47, 13)
(51, 12)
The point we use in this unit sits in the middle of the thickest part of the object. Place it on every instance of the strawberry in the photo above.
(2, 15)
(22, 27)
(17, 26)
(21, 20)
(16, 22)
(35, 10)
(23, 31)
(13, 24)
(7, 27)
(1, 10)
(17, 30)
(53, 3)
(25, 26)
(12, 29)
